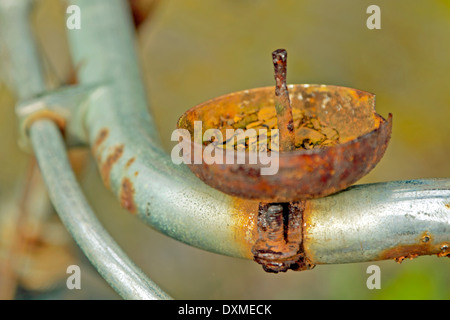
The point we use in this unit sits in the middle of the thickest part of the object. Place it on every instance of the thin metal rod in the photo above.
(22, 72)
(24, 66)
(282, 103)
(20, 58)
(98, 246)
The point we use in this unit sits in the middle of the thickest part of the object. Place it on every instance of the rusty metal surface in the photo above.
(282, 104)
(127, 195)
(142, 10)
(386, 221)
(164, 195)
(302, 174)
(279, 246)
(98, 246)
(108, 163)
(393, 220)
(50, 151)
(171, 199)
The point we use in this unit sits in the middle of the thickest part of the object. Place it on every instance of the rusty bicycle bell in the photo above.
(329, 137)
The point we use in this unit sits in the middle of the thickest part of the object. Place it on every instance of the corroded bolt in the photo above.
(279, 245)
(282, 103)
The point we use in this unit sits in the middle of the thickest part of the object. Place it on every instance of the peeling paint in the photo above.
(101, 137)
(130, 162)
(425, 247)
(127, 195)
(106, 166)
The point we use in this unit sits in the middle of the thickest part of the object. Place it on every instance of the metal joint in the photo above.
(66, 107)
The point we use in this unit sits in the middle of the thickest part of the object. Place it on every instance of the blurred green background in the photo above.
(194, 50)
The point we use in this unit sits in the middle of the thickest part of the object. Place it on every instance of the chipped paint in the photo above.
(127, 195)
(130, 162)
(445, 252)
(101, 137)
(106, 165)
(245, 214)
(425, 246)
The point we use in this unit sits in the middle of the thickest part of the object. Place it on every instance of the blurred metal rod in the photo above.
(20, 59)
(24, 66)
(98, 246)
(20, 69)
(125, 142)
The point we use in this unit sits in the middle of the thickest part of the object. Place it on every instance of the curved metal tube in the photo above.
(20, 60)
(358, 224)
(27, 79)
(125, 142)
(390, 220)
(68, 199)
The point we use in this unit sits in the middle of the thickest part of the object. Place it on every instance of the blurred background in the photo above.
(195, 50)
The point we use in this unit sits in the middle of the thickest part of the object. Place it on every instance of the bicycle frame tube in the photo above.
(111, 262)
(168, 197)
(362, 223)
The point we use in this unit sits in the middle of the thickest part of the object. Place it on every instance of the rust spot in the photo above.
(136, 173)
(101, 137)
(127, 195)
(142, 9)
(447, 205)
(445, 252)
(290, 126)
(244, 214)
(50, 115)
(130, 162)
(106, 166)
(279, 246)
(426, 247)
(425, 237)
(401, 253)
(410, 257)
